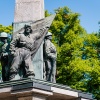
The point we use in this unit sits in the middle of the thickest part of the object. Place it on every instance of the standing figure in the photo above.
(50, 55)
(4, 52)
(21, 47)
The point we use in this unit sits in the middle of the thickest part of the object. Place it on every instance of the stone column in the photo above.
(26, 12)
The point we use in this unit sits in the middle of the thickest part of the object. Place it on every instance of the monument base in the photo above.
(33, 89)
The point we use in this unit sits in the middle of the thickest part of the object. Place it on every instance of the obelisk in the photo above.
(26, 12)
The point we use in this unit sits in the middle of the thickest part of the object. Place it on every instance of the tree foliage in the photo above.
(78, 62)
(7, 29)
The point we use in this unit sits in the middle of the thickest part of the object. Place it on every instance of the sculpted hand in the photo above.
(5, 54)
(13, 53)
(53, 57)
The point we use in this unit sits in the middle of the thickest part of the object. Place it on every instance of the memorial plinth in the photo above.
(33, 89)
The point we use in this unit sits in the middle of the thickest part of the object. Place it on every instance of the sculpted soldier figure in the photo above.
(4, 52)
(21, 47)
(50, 55)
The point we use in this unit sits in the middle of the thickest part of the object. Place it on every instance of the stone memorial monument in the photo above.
(27, 12)
(30, 29)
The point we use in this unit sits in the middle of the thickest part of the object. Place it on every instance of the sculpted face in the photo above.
(28, 29)
(49, 37)
(3, 39)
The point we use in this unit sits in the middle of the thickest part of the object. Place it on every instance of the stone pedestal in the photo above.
(34, 97)
(32, 89)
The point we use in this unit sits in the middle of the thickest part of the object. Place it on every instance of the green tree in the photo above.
(47, 13)
(78, 58)
(7, 29)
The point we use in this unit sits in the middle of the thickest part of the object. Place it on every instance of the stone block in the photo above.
(27, 10)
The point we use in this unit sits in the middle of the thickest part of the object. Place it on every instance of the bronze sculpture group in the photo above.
(18, 54)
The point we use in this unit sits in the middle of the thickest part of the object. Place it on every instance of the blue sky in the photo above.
(89, 10)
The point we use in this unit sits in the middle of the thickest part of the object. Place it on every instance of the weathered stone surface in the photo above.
(33, 98)
(25, 98)
(38, 92)
(26, 10)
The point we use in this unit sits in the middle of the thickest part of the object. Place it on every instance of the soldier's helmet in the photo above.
(4, 34)
(26, 26)
(48, 34)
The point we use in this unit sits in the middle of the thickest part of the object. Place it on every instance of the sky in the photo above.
(89, 10)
